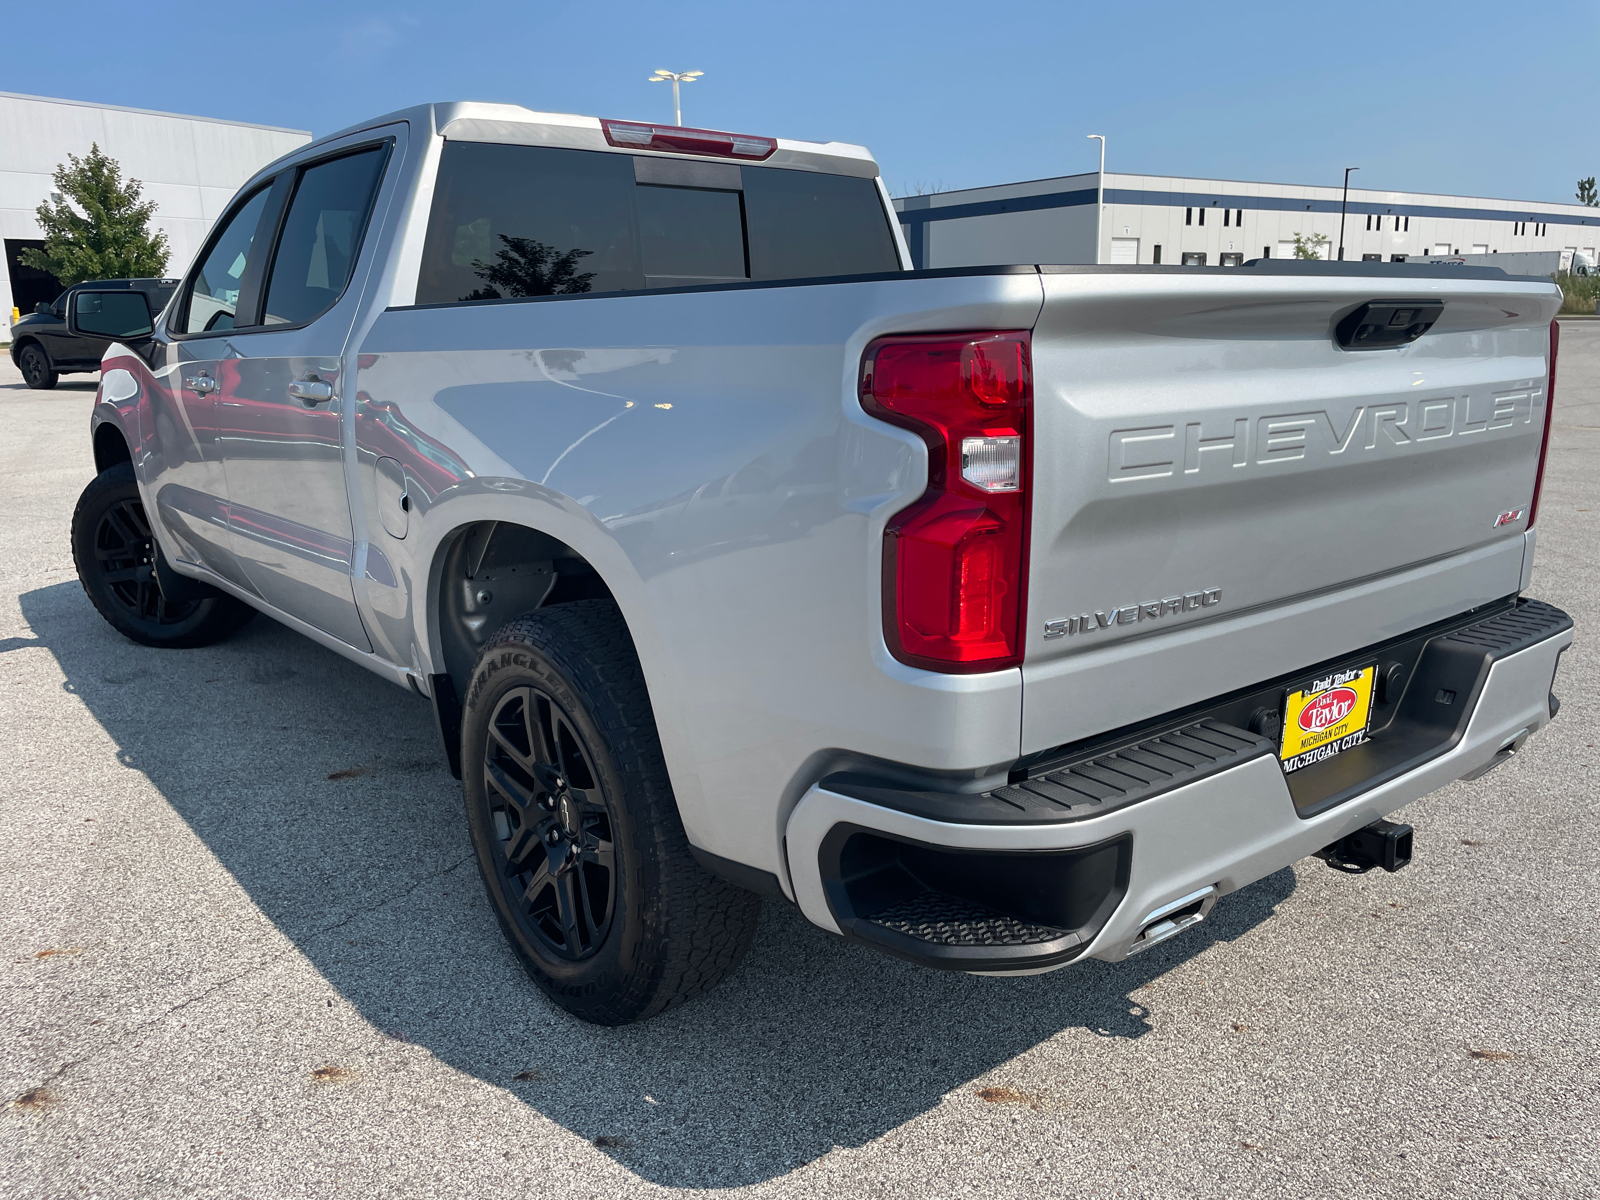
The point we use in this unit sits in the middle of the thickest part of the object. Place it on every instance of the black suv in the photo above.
(44, 349)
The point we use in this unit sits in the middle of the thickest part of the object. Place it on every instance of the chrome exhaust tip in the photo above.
(1173, 918)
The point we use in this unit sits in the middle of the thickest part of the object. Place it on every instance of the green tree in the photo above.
(1310, 245)
(530, 268)
(1586, 193)
(104, 233)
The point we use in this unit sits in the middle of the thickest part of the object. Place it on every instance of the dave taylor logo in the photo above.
(1328, 709)
(1130, 614)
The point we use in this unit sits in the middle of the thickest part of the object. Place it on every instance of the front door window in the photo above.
(214, 292)
(321, 237)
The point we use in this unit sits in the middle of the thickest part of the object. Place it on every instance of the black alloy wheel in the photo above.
(115, 551)
(556, 857)
(125, 561)
(575, 827)
(36, 370)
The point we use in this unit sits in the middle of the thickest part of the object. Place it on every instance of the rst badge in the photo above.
(1508, 518)
(1132, 614)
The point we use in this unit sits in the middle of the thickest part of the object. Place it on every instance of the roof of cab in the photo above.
(477, 121)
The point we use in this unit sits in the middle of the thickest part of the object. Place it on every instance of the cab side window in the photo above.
(322, 237)
(214, 293)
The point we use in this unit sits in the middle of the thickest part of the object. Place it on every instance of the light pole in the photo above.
(676, 77)
(1342, 204)
(1099, 193)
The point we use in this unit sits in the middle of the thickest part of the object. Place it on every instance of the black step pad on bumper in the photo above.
(1529, 623)
(948, 921)
(1085, 789)
(1159, 764)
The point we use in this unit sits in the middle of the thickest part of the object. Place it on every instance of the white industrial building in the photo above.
(1219, 222)
(190, 166)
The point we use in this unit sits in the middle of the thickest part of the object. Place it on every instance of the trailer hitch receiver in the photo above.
(1382, 844)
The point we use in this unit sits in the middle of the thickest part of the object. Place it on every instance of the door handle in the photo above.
(200, 384)
(312, 391)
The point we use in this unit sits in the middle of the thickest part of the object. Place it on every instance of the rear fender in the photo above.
(545, 511)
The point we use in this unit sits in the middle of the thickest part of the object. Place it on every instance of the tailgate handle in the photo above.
(1385, 324)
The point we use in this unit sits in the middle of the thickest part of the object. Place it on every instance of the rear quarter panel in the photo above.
(706, 453)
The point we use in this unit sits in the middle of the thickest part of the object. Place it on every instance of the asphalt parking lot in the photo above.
(247, 955)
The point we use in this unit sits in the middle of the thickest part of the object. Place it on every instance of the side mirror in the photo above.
(43, 309)
(120, 316)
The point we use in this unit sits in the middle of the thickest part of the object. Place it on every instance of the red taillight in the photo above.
(632, 135)
(955, 562)
(1549, 417)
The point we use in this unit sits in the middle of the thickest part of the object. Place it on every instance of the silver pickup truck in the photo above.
(995, 617)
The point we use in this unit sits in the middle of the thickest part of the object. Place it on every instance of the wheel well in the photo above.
(494, 571)
(22, 344)
(110, 447)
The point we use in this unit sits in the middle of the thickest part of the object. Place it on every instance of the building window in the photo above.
(1238, 216)
(1156, 257)
(1188, 216)
(1202, 221)
(1266, 252)
(1369, 222)
(1227, 217)
(1408, 224)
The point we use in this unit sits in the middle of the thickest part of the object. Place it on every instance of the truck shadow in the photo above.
(321, 789)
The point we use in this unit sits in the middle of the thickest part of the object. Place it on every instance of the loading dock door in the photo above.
(1124, 250)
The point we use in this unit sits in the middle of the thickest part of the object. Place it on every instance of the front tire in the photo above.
(577, 834)
(37, 372)
(115, 551)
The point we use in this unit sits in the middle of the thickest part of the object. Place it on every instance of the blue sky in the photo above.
(1465, 97)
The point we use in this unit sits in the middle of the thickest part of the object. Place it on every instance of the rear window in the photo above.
(511, 221)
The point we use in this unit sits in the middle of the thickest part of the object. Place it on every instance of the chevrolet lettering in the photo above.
(1272, 439)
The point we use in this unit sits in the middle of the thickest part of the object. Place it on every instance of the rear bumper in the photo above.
(1023, 880)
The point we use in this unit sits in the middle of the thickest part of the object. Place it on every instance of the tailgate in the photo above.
(1221, 494)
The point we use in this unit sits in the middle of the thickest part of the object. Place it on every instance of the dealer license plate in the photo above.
(1327, 717)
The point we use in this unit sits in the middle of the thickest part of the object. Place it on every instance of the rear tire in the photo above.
(36, 370)
(577, 833)
(115, 553)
